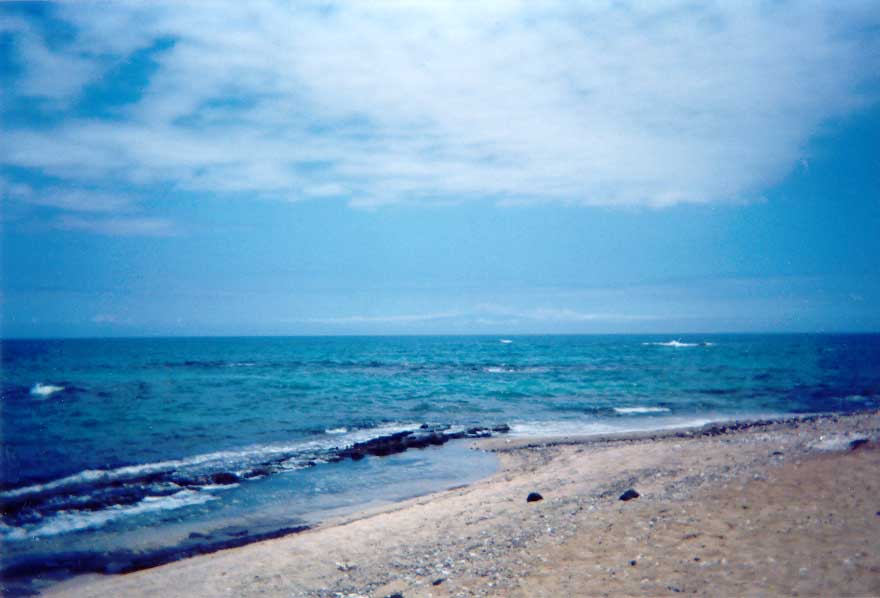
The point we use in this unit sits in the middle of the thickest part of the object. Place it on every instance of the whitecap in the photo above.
(44, 390)
(340, 430)
(637, 410)
(675, 344)
(209, 487)
(500, 369)
(505, 341)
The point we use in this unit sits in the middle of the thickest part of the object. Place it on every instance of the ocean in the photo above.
(122, 453)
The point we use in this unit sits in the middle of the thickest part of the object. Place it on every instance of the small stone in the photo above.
(534, 497)
(632, 563)
(629, 495)
(438, 581)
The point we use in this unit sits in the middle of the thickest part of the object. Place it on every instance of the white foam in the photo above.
(44, 390)
(243, 456)
(71, 521)
(210, 487)
(672, 344)
(550, 429)
(558, 428)
(836, 442)
(500, 369)
(636, 410)
(678, 343)
(505, 341)
(341, 430)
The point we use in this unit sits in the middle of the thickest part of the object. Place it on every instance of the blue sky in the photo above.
(439, 167)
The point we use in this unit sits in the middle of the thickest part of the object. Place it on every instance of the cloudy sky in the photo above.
(439, 167)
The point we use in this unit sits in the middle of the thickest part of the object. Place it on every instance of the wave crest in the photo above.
(44, 390)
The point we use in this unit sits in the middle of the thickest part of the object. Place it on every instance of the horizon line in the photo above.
(441, 335)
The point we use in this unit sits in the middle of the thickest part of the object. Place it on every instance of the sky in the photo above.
(439, 167)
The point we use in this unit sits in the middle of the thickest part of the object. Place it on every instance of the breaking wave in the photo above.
(678, 343)
(639, 410)
(44, 390)
(73, 521)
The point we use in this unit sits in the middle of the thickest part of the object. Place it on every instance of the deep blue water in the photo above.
(92, 429)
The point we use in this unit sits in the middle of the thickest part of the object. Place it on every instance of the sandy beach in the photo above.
(788, 507)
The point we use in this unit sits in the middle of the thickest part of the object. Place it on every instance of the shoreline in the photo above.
(575, 475)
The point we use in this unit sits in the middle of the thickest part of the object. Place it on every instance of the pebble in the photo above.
(629, 495)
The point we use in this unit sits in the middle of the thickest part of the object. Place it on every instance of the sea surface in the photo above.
(113, 449)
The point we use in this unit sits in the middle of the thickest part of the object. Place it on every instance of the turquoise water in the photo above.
(111, 443)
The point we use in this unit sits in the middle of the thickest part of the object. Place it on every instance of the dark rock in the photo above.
(629, 495)
(534, 497)
(438, 581)
(399, 442)
(394, 595)
(858, 442)
(632, 563)
(224, 478)
(478, 433)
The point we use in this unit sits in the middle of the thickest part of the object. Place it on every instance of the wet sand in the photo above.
(778, 508)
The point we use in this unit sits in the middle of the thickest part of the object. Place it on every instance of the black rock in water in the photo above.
(534, 497)
(478, 433)
(629, 495)
(858, 442)
(410, 439)
(224, 478)
(257, 472)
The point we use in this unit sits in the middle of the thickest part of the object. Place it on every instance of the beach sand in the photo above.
(784, 508)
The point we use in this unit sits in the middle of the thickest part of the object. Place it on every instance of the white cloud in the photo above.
(67, 199)
(602, 103)
(117, 227)
(485, 314)
(49, 74)
(381, 319)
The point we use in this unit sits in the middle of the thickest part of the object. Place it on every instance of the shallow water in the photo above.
(141, 443)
